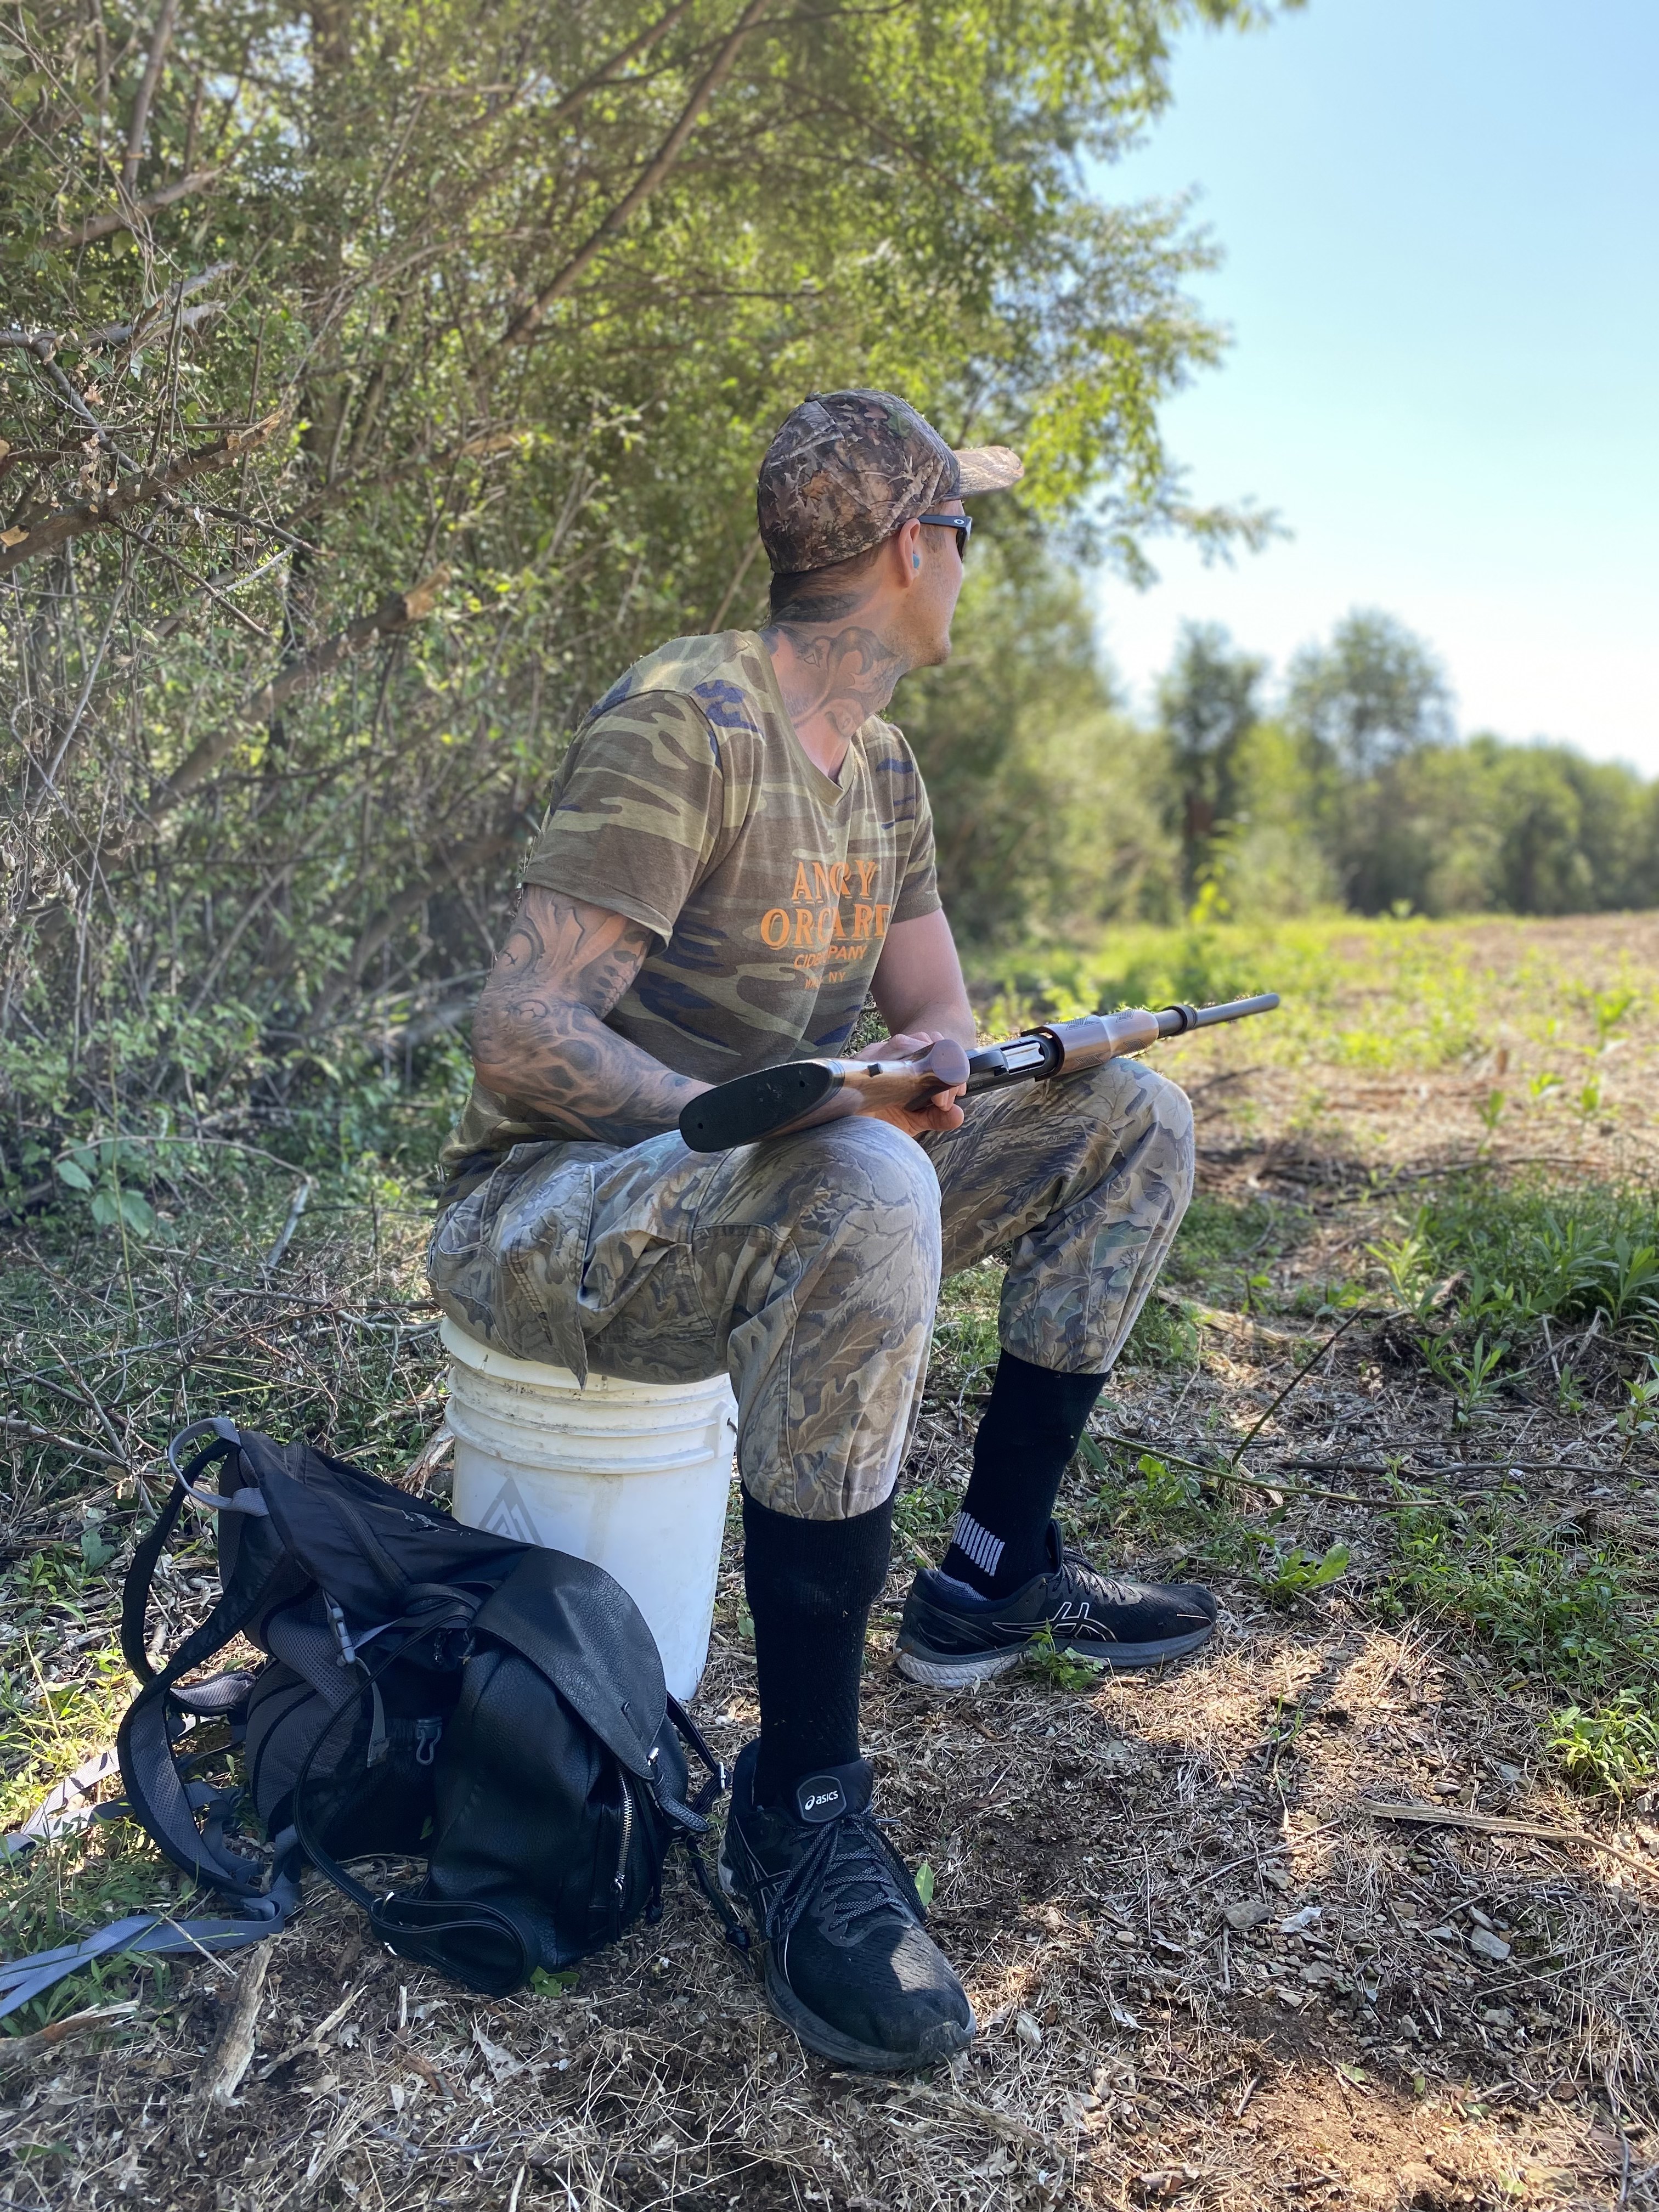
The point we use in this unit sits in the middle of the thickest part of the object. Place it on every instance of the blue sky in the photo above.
(1441, 226)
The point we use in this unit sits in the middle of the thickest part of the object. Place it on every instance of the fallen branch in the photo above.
(14, 1424)
(426, 1461)
(1495, 1824)
(59, 527)
(1359, 1313)
(315, 2040)
(1231, 1324)
(132, 216)
(16, 2051)
(233, 2053)
(399, 611)
(297, 1205)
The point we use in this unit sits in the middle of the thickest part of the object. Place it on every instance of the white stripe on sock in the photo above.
(976, 1540)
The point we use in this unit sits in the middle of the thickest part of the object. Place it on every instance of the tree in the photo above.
(1208, 704)
(514, 300)
(1047, 800)
(1375, 693)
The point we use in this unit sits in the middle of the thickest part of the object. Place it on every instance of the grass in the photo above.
(1578, 1618)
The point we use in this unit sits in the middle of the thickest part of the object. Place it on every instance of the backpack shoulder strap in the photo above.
(157, 1792)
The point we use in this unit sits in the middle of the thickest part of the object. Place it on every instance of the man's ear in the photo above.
(908, 542)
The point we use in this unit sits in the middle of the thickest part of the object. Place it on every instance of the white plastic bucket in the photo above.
(631, 1475)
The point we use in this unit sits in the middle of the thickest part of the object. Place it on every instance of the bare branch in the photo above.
(444, 867)
(57, 529)
(45, 344)
(525, 323)
(153, 65)
(128, 217)
(400, 610)
(609, 69)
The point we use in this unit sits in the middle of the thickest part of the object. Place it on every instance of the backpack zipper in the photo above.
(620, 1878)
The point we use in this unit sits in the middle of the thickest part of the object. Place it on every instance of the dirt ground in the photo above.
(1207, 1970)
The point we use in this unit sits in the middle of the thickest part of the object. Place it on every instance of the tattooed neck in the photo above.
(834, 675)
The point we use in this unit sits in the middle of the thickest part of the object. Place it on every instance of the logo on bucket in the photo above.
(507, 1514)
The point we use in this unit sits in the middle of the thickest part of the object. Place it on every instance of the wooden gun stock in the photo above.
(774, 1101)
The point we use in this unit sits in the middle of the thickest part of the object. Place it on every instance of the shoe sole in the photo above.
(938, 1671)
(826, 2042)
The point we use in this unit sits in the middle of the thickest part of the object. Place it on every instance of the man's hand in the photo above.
(941, 1112)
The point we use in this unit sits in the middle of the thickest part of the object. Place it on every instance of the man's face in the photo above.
(939, 586)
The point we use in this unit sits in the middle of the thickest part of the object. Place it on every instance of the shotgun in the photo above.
(776, 1101)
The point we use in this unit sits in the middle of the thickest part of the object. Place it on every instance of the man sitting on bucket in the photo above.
(739, 850)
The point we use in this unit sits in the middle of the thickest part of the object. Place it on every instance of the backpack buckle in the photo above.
(337, 1621)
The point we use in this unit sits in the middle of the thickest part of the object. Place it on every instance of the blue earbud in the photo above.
(915, 560)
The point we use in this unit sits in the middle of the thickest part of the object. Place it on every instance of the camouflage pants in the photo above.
(808, 1267)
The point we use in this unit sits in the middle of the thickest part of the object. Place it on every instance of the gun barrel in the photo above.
(1175, 1021)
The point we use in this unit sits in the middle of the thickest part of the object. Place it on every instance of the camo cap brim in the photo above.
(848, 468)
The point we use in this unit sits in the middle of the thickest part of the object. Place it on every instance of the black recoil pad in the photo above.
(751, 1106)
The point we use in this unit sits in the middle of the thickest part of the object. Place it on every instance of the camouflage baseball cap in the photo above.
(848, 468)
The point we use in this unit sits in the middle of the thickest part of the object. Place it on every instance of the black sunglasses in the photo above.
(961, 524)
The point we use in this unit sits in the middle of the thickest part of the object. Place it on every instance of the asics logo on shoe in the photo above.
(821, 1798)
(1070, 1616)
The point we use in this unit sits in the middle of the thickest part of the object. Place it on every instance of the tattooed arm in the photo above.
(539, 1039)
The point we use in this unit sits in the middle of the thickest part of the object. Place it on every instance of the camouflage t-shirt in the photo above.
(687, 803)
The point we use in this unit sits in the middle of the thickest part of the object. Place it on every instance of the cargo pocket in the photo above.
(538, 1246)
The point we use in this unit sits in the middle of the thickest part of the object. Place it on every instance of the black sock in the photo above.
(1028, 1434)
(811, 1585)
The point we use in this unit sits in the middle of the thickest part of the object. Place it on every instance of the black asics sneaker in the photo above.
(950, 1635)
(848, 1964)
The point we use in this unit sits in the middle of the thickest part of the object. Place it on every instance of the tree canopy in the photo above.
(379, 380)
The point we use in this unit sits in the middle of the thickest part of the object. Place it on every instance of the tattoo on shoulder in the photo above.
(591, 954)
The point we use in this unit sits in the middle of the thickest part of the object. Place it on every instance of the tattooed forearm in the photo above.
(539, 1039)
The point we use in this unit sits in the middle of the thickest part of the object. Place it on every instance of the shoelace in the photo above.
(1115, 1593)
(851, 1870)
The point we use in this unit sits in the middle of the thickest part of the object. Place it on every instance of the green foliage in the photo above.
(1470, 1373)
(1529, 1251)
(1374, 695)
(921, 1519)
(1163, 1336)
(1610, 1750)
(1638, 1417)
(518, 302)
(1207, 708)
(61, 1890)
(1162, 1496)
(1048, 802)
(1287, 1575)
(1362, 794)
(1061, 1670)
(547, 1983)
(1577, 1618)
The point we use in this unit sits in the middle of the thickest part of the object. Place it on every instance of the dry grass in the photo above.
(1204, 1971)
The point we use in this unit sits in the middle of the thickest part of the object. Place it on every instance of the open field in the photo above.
(1397, 1402)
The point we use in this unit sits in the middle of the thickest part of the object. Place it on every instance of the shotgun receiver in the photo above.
(798, 1095)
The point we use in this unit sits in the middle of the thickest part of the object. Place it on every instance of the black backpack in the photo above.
(430, 1691)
